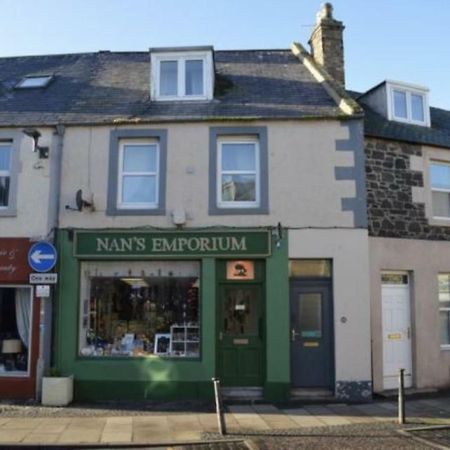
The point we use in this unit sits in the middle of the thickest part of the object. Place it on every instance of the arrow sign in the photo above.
(42, 256)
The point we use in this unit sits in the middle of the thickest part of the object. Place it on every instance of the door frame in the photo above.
(253, 283)
(312, 282)
(410, 276)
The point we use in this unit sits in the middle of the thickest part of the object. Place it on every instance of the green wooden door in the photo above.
(240, 337)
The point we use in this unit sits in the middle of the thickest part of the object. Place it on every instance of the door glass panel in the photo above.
(310, 315)
(241, 312)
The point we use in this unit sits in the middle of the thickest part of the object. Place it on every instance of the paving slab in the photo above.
(3, 421)
(327, 416)
(21, 424)
(303, 418)
(375, 412)
(52, 425)
(349, 413)
(116, 438)
(40, 438)
(12, 436)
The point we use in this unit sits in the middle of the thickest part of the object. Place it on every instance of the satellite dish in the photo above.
(80, 202)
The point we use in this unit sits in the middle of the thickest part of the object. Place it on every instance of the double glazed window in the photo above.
(5, 174)
(440, 189)
(138, 174)
(408, 105)
(181, 75)
(444, 309)
(238, 173)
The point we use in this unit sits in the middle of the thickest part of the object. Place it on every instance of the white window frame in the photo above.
(442, 308)
(7, 173)
(441, 163)
(238, 204)
(181, 58)
(409, 90)
(121, 174)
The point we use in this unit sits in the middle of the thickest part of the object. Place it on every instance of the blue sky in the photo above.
(405, 40)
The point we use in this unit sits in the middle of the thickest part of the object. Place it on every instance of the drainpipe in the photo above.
(46, 312)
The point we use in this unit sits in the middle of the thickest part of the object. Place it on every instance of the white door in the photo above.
(396, 329)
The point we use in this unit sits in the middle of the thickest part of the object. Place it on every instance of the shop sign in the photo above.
(113, 244)
(240, 270)
(13, 260)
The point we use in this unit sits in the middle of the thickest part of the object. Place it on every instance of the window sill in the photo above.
(136, 212)
(139, 358)
(5, 212)
(439, 221)
(445, 348)
(216, 211)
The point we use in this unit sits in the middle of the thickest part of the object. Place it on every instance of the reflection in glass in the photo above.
(310, 315)
(5, 156)
(310, 268)
(4, 191)
(239, 188)
(142, 315)
(139, 158)
(139, 189)
(440, 176)
(241, 312)
(238, 157)
(400, 104)
(168, 80)
(417, 107)
(194, 77)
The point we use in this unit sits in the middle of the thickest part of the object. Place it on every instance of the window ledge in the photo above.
(439, 221)
(445, 348)
(216, 211)
(7, 212)
(136, 212)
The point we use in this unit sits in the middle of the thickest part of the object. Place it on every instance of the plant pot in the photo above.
(57, 391)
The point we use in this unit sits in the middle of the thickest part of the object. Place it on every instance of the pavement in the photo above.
(173, 429)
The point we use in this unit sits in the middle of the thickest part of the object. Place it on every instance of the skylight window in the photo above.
(38, 81)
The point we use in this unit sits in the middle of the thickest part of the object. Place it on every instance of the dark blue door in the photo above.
(312, 344)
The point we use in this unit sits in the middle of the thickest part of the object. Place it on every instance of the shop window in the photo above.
(140, 309)
(444, 309)
(15, 331)
(137, 172)
(310, 268)
(238, 171)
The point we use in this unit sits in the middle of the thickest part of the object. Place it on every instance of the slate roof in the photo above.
(103, 87)
(376, 125)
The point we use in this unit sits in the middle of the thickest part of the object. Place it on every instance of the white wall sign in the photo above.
(42, 290)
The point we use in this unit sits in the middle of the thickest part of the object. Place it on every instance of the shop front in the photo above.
(19, 321)
(156, 314)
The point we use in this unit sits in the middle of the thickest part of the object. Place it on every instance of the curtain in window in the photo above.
(23, 312)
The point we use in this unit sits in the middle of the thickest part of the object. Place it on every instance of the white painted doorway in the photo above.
(397, 353)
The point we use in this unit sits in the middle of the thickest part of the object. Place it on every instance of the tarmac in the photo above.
(171, 429)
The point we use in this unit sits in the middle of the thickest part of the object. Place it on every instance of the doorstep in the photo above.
(409, 392)
(240, 394)
(312, 394)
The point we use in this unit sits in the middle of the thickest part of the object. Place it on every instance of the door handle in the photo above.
(221, 336)
(294, 334)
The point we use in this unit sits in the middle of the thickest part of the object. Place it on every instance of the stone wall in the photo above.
(389, 179)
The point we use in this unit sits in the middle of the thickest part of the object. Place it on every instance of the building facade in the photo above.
(407, 153)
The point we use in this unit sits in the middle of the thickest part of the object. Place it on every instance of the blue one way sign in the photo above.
(42, 256)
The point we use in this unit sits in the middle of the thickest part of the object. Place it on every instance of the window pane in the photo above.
(310, 312)
(440, 176)
(444, 288)
(444, 319)
(238, 157)
(150, 310)
(5, 156)
(139, 189)
(417, 107)
(241, 312)
(441, 204)
(194, 77)
(15, 337)
(168, 81)
(239, 188)
(310, 268)
(400, 104)
(139, 158)
(4, 191)
(34, 82)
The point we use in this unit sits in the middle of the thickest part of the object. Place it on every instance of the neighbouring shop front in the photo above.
(19, 321)
(156, 314)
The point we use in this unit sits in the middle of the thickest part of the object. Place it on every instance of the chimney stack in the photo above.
(327, 46)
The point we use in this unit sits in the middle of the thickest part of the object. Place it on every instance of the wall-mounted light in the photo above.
(35, 135)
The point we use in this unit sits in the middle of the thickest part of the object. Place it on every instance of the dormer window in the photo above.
(182, 75)
(408, 103)
(34, 81)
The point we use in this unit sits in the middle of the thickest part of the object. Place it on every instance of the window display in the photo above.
(15, 323)
(140, 309)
